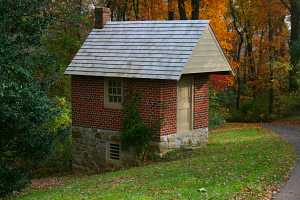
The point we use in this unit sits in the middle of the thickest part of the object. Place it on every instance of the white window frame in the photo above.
(107, 103)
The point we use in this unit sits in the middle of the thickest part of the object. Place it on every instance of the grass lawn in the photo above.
(237, 164)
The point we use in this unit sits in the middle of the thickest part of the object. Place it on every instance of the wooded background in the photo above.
(38, 39)
(260, 38)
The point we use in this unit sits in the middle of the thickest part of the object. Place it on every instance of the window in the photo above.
(113, 93)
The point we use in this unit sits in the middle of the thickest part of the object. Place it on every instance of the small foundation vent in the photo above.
(114, 151)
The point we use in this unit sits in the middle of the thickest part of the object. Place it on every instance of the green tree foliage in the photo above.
(294, 81)
(294, 8)
(71, 23)
(217, 107)
(25, 109)
(59, 160)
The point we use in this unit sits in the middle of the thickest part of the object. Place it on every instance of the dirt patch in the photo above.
(46, 183)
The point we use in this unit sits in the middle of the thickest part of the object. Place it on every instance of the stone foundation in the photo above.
(195, 138)
(96, 150)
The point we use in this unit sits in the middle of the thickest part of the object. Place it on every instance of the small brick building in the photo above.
(168, 62)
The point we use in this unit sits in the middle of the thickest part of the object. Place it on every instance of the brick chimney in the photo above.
(102, 16)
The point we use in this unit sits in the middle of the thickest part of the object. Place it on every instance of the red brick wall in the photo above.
(88, 104)
(159, 101)
(89, 111)
(201, 101)
(169, 107)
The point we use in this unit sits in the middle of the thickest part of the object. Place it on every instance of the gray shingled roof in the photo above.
(139, 49)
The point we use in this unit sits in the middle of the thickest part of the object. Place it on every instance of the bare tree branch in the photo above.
(286, 4)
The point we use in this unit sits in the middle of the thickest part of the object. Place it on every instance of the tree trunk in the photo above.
(182, 11)
(195, 9)
(238, 89)
(249, 56)
(271, 61)
(237, 55)
(136, 8)
(294, 43)
(261, 55)
(124, 10)
(171, 10)
(79, 10)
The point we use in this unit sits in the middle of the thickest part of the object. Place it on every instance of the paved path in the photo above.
(290, 191)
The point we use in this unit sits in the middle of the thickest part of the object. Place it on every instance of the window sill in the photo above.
(113, 106)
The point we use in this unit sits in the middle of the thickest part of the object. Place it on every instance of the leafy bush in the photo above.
(251, 110)
(11, 180)
(59, 161)
(136, 134)
(287, 104)
(216, 118)
(25, 138)
(60, 158)
(223, 107)
(219, 104)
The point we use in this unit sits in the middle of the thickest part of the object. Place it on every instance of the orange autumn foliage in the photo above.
(216, 11)
(220, 82)
(251, 14)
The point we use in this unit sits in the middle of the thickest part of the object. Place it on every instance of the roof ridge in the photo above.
(206, 21)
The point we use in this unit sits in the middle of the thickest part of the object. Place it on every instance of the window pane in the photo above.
(119, 99)
(110, 98)
(119, 91)
(115, 99)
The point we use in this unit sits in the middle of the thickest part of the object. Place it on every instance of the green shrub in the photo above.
(11, 180)
(251, 110)
(25, 138)
(219, 101)
(216, 117)
(136, 135)
(287, 104)
(60, 158)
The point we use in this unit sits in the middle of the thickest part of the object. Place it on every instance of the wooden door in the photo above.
(184, 105)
